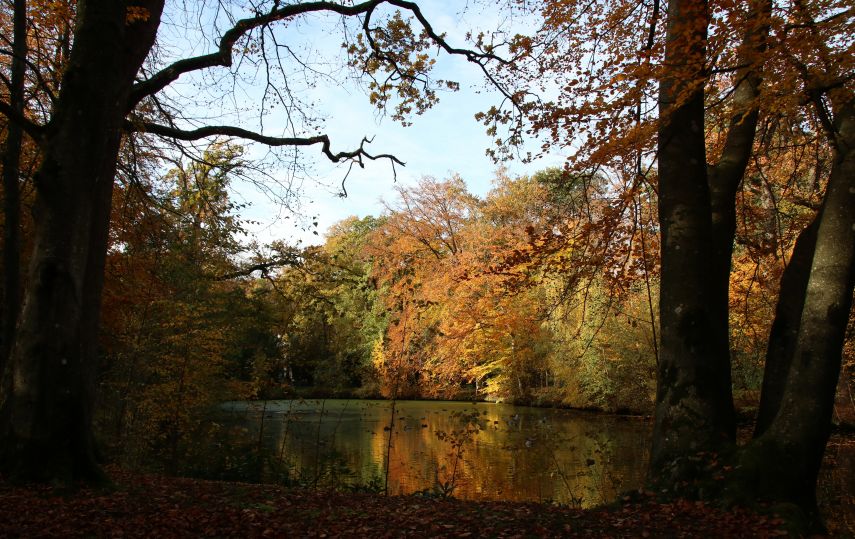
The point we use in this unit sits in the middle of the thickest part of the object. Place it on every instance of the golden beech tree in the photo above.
(574, 252)
(494, 326)
(417, 253)
(678, 94)
(462, 280)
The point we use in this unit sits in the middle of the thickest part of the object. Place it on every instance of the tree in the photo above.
(112, 86)
(418, 253)
(11, 190)
(172, 329)
(329, 316)
(697, 217)
(702, 76)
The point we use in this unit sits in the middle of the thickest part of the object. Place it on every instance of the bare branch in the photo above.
(813, 24)
(356, 155)
(263, 267)
(35, 71)
(481, 59)
(223, 56)
(33, 129)
(472, 56)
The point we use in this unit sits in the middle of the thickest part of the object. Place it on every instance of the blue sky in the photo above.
(445, 140)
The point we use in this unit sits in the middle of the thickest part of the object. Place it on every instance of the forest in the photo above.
(692, 261)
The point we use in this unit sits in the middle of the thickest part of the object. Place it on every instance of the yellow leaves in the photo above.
(450, 267)
(378, 355)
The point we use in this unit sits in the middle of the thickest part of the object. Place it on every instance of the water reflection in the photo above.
(473, 451)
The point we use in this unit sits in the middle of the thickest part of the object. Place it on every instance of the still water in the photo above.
(469, 450)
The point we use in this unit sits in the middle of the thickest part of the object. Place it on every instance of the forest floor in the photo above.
(141, 505)
(836, 485)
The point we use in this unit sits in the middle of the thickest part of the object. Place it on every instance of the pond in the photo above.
(468, 450)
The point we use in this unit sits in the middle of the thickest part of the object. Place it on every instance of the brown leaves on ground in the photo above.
(157, 506)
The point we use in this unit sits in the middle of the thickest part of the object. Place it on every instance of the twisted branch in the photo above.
(207, 131)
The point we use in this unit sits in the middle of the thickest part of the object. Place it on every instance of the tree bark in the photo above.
(727, 174)
(11, 190)
(785, 327)
(694, 409)
(788, 454)
(46, 412)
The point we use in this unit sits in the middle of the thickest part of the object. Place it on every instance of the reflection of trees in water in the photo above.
(517, 453)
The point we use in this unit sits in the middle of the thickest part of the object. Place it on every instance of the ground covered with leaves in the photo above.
(158, 506)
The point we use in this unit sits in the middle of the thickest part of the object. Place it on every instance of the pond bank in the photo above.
(158, 506)
(517, 453)
(319, 393)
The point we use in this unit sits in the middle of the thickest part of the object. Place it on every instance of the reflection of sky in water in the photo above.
(517, 453)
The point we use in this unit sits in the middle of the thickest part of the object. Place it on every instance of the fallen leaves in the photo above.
(157, 506)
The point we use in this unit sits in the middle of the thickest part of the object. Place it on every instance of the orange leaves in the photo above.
(54, 12)
(477, 291)
(591, 72)
(432, 257)
(521, 45)
(398, 63)
(592, 60)
(464, 280)
(156, 506)
(136, 14)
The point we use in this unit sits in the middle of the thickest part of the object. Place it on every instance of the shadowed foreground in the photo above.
(157, 506)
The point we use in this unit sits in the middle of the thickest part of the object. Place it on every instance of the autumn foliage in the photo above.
(709, 151)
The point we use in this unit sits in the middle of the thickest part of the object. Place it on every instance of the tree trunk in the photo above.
(785, 327)
(787, 456)
(11, 192)
(46, 412)
(694, 413)
(694, 409)
(726, 175)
